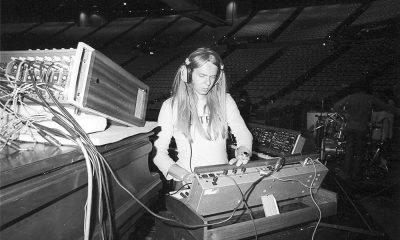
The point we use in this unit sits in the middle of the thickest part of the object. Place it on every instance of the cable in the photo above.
(88, 205)
(191, 155)
(252, 186)
(70, 124)
(32, 77)
(189, 140)
(96, 164)
(15, 122)
(311, 193)
(315, 202)
(164, 218)
(246, 205)
(175, 192)
(293, 180)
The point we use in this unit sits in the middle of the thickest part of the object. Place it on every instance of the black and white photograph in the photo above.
(200, 119)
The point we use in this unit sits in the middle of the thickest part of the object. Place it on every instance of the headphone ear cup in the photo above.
(184, 73)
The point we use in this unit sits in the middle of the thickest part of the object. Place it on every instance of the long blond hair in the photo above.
(185, 99)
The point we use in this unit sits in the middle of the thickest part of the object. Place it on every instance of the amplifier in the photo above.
(276, 141)
(215, 189)
(82, 77)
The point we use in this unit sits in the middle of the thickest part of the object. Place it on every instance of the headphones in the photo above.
(186, 72)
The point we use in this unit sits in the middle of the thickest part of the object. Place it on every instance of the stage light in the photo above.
(83, 19)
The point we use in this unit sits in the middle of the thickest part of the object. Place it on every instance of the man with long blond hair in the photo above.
(197, 116)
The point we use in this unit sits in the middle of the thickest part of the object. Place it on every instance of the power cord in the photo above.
(246, 205)
(310, 187)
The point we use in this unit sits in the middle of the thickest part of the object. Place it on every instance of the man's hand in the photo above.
(188, 178)
(242, 156)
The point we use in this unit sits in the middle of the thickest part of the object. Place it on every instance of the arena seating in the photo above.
(316, 22)
(264, 23)
(294, 62)
(289, 68)
(379, 11)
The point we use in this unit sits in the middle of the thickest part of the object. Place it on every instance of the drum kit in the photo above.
(377, 147)
(329, 132)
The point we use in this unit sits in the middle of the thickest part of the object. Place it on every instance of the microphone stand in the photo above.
(320, 133)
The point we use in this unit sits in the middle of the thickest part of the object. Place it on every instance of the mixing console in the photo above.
(215, 189)
(276, 141)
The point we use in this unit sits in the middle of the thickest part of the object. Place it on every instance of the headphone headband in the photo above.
(186, 71)
(187, 63)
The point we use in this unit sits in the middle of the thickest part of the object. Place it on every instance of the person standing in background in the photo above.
(357, 108)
